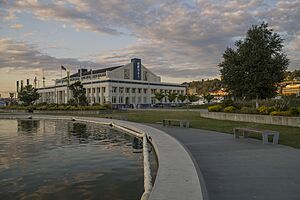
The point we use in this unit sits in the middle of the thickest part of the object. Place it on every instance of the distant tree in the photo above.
(192, 98)
(171, 96)
(78, 92)
(181, 97)
(28, 95)
(159, 96)
(208, 97)
(258, 63)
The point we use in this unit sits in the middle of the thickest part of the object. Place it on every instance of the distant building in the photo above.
(291, 89)
(192, 91)
(131, 84)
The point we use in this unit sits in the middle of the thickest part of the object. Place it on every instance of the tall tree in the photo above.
(208, 97)
(78, 92)
(182, 97)
(159, 96)
(192, 98)
(28, 95)
(258, 63)
(171, 96)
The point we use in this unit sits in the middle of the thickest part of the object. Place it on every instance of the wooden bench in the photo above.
(182, 123)
(265, 134)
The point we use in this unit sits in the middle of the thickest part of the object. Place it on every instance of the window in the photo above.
(103, 89)
(127, 90)
(145, 75)
(121, 90)
(126, 74)
(140, 90)
(113, 99)
(93, 90)
(120, 99)
(114, 89)
(89, 90)
(145, 91)
(133, 90)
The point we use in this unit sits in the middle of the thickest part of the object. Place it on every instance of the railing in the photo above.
(144, 137)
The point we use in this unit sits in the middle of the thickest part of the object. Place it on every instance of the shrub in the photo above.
(216, 108)
(230, 109)
(266, 110)
(227, 102)
(294, 111)
(248, 110)
(280, 113)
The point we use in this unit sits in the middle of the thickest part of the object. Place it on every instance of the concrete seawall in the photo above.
(263, 119)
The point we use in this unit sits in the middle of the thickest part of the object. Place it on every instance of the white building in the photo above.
(127, 85)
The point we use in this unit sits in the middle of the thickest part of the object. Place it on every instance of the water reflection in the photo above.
(28, 126)
(68, 160)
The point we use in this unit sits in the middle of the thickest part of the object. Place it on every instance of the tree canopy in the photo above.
(252, 70)
(159, 96)
(78, 92)
(28, 95)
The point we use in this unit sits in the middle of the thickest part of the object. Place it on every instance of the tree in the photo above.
(171, 96)
(208, 97)
(28, 95)
(159, 96)
(78, 92)
(182, 97)
(258, 63)
(192, 98)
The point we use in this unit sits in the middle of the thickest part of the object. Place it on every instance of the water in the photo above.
(45, 159)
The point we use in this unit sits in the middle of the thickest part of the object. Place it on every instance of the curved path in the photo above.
(241, 169)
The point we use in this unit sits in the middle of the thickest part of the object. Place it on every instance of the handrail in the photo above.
(147, 169)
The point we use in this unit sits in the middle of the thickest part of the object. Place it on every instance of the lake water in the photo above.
(46, 159)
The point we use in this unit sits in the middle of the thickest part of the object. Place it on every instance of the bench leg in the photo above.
(181, 124)
(236, 134)
(275, 138)
(187, 125)
(164, 122)
(265, 138)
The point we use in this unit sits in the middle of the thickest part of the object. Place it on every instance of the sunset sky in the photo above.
(179, 40)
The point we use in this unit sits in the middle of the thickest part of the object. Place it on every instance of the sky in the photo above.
(180, 40)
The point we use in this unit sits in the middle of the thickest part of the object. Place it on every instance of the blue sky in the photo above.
(179, 40)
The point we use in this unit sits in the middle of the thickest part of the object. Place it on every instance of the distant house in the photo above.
(291, 89)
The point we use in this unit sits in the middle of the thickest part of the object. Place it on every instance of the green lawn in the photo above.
(289, 136)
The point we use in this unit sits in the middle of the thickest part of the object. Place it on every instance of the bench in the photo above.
(265, 134)
(182, 123)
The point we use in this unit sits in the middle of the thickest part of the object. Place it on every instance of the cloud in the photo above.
(21, 56)
(174, 38)
(17, 26)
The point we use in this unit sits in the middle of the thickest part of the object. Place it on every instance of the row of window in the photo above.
(127, 100)
(93, 90)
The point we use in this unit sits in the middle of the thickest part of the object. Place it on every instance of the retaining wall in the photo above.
(263, 119)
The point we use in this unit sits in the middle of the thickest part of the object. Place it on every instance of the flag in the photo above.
(63, 68)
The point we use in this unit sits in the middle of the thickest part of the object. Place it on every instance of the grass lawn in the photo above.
(289, 136)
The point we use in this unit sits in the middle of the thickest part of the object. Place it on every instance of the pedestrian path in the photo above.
(241, 169)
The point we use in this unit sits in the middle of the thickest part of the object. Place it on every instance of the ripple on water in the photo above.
(44, 159)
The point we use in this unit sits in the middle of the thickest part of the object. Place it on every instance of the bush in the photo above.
(227, 102)
(280, 113)
(230, 109)
(294, 111)
(216, 108)
(266, 110)
(248, 110)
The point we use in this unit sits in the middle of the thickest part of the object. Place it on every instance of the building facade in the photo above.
(131, 84)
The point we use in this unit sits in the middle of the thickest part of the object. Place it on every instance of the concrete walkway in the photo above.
(241, 169)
